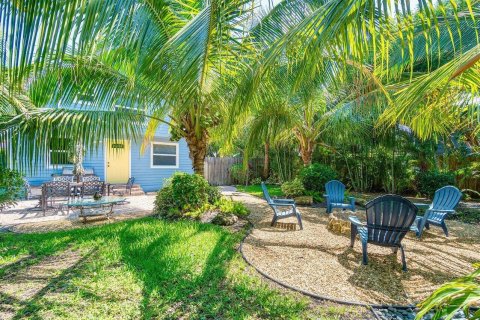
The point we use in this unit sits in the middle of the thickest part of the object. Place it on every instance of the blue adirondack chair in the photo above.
(335, 196)
(282, 208)
(444, 202)
(389, 218)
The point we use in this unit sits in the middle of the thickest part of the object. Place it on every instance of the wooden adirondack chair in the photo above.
(335, 196)
(444, 202)
(389, 218)
(282, 208)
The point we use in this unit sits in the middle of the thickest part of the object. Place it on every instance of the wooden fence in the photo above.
(217, 170)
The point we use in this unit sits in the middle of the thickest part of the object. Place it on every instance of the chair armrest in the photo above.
(283, 204)
(355, 221)
(439, 210)
(352, 200)
(283, 200)
(327, 200)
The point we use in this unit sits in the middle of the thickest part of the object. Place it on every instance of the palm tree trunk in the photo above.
(197, 150)
(197, 142)
(306, 152)
(266, 162)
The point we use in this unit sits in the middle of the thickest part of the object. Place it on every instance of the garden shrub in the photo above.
(316, 175)
(256, 180)
(316, 196)
(214, 194)
(429, 181)
(12, 187)
(240, 174)
(184, 195)
(294, 188)
(233, 208)
(471, 216)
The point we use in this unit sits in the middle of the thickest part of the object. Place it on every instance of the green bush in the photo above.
(293, 188)
(214, 194)
(429, 181)
(315, 176)
(239, 174)
(185, 196)
(316, 196)
(12, 187)
(471, 216)
(233, 207)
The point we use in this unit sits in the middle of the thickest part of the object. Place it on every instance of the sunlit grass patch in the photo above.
(139, 269)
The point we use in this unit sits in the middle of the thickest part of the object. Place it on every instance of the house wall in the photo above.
(43, 172)
(150, 179)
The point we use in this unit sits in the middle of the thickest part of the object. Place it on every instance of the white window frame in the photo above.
(59, 165)
(177, 158)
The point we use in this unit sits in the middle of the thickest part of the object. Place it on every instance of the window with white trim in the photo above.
(164, 155)
(59, 153)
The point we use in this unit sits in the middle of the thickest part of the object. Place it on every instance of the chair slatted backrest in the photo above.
(89, 188)
(446, 198)
(389, 218)
(56, 189)
(63, 178)
(266, 194)
(90, 178)
(335, 191)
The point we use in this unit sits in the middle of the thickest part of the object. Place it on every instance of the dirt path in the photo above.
(319, 261)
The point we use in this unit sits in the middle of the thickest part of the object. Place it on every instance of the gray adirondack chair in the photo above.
(389, 218)
(444, 202)
(335, 196)
(282, 208)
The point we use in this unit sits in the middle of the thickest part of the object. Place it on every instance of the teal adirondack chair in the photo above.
(282, 208)
(389, 218)
(335, 196)
(444, 202)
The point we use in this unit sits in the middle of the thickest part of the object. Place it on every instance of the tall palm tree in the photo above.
(159, 58)
(187, 59)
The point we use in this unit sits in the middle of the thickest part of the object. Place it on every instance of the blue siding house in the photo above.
(116, 161)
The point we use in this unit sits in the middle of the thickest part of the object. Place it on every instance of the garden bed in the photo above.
(320, 261)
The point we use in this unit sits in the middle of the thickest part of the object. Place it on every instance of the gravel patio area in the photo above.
(24, 217)
(320, 261)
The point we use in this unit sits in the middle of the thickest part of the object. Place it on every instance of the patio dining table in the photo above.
(92, 207)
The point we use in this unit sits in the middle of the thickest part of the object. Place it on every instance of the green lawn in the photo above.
(146, 268)
(256, 190)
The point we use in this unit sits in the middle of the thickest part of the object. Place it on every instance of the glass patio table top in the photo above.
(106, 200)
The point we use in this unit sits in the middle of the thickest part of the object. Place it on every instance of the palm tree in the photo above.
(386, 41)
(192, 60)
(178, 59)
